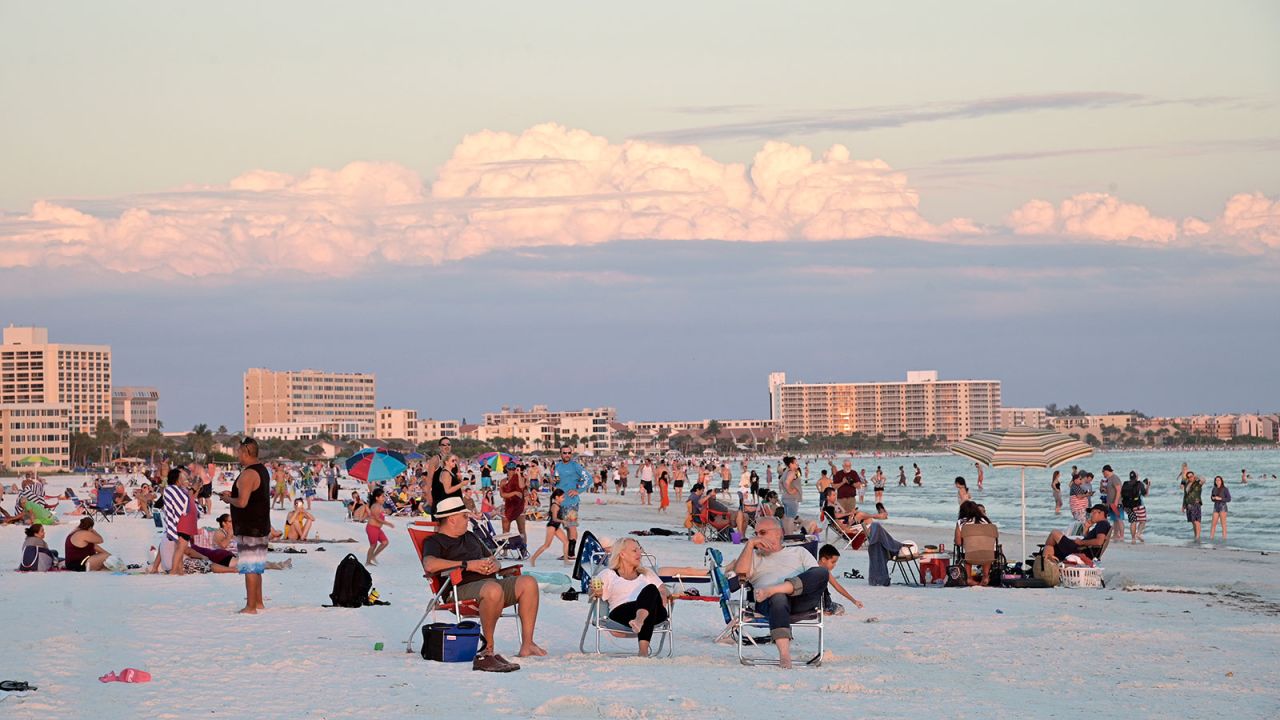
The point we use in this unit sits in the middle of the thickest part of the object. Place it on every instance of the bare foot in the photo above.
(635, 626)
(785, 663)
(531, 650)
(248, 611)
(762, 594)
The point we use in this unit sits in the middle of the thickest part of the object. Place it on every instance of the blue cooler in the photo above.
(447, 642)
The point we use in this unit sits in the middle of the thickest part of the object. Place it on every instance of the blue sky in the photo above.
(1078, 200)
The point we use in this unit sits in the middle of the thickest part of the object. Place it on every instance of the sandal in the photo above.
(854, 574)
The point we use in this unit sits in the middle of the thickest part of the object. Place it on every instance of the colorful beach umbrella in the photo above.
(414, 456)
(1022, 447)
(36, 460)
(375, 464)
(495, 460)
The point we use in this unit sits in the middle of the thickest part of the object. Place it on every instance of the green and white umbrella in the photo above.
(36, 460)
(1022, 447)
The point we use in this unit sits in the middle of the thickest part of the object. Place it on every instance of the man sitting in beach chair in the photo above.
(1057, 547)
(788, 582)
(454, 548)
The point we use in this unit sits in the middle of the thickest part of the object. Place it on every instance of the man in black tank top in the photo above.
(250, 501)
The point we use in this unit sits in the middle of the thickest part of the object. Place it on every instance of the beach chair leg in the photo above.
(431, 606)
(586, 627)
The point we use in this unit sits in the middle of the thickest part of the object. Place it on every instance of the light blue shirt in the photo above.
(571, 476)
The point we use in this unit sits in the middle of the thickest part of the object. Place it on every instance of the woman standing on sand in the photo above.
(664, 500)
(1056, 485)
(1220, 496)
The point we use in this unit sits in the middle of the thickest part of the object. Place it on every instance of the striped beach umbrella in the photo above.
(375, 464)
(1022, 447)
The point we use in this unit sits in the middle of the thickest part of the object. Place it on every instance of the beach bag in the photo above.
(1130, 494)
(451, 642)
(1045, 571)
(351, 584)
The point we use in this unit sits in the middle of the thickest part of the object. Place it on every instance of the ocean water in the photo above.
(1253, 520)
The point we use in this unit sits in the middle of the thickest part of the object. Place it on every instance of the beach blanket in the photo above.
(312, 541)
(880, 547)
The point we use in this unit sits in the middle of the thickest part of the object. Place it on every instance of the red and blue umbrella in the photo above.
(495, 460)
(375, 464)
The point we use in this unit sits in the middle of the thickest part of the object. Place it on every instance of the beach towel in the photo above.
(880, 547)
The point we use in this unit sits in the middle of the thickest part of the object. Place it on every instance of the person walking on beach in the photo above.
(624, 473)
(378, 540)
(250, 503)
(513, 491)
(962, 491)
(978, 467)
(902, 476)
(1056, 486)
(1220, 496)
(646, 482)
(877, 482)
(844, 480)
(573, 479)
(1192, 499)
(919, 479)
(1078, 496)
(664, 496)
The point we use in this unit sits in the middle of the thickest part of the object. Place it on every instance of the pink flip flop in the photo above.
(109, 677)
(130, 675)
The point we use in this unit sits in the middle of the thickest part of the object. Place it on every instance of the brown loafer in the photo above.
(493, 663)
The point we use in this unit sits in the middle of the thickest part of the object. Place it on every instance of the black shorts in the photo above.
(206, 491)
(186, 537)
(648, 486)
(1064, 547)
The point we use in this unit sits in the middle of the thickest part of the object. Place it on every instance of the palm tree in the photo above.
(106, 438)
(201, 439)
(121, 429)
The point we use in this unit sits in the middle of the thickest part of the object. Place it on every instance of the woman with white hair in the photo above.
(635, 595)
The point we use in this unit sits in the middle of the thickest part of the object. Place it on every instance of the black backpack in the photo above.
(1130, 493)
(351, 584)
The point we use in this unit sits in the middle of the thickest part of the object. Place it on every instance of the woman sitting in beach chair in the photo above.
(977, 542)
(630, 595)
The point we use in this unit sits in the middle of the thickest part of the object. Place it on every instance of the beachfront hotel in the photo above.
(404, 424)
(35, 430)
(542, 428)
(301, 404)
(36, 371)
(918, 408)
(138, 406)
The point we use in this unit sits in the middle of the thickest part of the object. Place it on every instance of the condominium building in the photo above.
(33, 370)
(403, 424)
(920, 407)
(1011, 417)
(276, 398)
(136, 406)
(592, 426)
(35, 431)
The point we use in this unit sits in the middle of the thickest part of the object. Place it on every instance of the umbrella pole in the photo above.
(1024, 514)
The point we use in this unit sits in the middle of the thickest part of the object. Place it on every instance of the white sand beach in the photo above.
(1178, 632)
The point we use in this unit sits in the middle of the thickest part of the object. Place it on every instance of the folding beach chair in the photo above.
(852, 539)
(740, 616)
(598, 622)
(979, 545)
(715, 526)
(104, 506)
(443, 586)
(504, 546)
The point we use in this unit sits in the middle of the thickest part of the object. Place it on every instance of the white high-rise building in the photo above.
(36, 371)
(278, 399)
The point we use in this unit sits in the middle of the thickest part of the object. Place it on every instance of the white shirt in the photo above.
(618, 590)
(774, 568)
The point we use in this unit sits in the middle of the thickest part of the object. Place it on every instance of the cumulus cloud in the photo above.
(1249, 222)
(547, 186)
(1098, 216)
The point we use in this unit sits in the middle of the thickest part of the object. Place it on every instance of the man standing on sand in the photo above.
(845, 481)
(1111, 485)
(573, 479)
(250, 501)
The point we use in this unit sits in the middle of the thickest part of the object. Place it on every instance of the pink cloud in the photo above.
(546, 186)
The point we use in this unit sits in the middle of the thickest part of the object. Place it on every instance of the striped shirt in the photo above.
(176, 503)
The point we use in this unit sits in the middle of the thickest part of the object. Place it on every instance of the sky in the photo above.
(650, 207)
